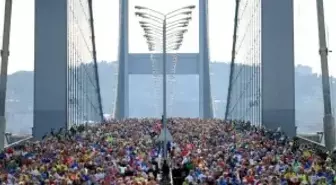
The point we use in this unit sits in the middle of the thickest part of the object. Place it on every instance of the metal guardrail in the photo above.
(19, 142)
(319, 138)
(307, 143)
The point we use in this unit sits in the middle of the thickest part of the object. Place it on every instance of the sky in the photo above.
(221, 16)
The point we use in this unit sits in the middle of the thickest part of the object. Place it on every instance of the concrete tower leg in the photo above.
(122, 104)
(205, 101)
(3, 140)
(277, 60)
(51, 66)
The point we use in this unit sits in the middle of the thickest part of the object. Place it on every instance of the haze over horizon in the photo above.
(182, 93)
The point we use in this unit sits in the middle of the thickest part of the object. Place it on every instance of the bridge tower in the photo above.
(265, 92)
(66, 83)
(189, 63)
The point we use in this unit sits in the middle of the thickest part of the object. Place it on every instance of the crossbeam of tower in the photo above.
(189, 63)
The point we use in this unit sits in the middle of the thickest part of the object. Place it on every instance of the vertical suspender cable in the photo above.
(172, 82)
(233, 55)
(155, 76)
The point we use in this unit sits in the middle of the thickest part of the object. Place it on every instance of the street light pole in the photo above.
(164, 82)
(328, 119)
(174, 31)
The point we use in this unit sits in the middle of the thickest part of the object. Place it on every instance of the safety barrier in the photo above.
(303, 142)
(19, 142)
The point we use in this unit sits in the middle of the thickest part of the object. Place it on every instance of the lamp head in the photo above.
(140, 14)
(151, 45)
(149, 37)
(183, 23)
(179, 32)
(179, 36)
(190, 7)
(186, 13)
(139, 7)
(148, 30)
(143, 22)
(186, 18)
(145, 16)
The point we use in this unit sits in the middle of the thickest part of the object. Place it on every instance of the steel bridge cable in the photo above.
(95, 63)
(172, 82)
(84, 99)
(171, 77)
(77, 109)
(156, 79)
(236, 74)
(114, 89)
(233, 55)
(243, 100)
(156, 76)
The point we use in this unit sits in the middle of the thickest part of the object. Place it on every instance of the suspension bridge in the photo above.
(66, 80)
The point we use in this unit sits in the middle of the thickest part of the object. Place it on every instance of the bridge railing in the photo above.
(303, 143)
(22, 141)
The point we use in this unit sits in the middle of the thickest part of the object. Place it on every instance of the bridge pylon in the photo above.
(189, 63)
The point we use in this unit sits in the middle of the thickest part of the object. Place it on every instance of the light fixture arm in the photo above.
(190, 7)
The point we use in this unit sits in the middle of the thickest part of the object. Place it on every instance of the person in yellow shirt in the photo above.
(185, 182)
(316, 166)
(290, 173)
(303, 177)
(307, 154)
(322, 181)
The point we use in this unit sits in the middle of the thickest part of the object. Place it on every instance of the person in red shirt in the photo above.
(10, 150)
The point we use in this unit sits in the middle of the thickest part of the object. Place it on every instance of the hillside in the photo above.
(143, 95)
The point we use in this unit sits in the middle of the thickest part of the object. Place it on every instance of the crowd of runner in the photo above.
(202, 152)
